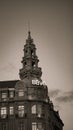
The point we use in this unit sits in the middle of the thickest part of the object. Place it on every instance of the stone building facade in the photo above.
(25, 103)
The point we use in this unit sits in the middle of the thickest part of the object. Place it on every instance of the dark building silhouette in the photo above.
(24, 103)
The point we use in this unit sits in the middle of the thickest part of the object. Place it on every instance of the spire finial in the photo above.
(29, 26)
(29, 33)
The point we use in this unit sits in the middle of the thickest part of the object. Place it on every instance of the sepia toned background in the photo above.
(51, 25)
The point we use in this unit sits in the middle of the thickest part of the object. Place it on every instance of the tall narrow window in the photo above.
(11, 94)
(20, 111)
(11, 110)
(34, 109)
(32, 52)
(33, 64)
(39, 110)
(3, 112)
(34, 126)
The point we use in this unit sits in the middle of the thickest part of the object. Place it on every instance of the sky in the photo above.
(51, 25)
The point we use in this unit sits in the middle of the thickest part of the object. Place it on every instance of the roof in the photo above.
(6, 84)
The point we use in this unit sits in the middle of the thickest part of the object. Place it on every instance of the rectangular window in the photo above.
(4, 95)
(11, 93)
(21, 93)
(37, 126)
(21, 111)
(11, 110)
(34, 126)
(21, 126)
(3, 112)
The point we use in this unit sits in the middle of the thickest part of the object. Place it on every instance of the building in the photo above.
(24, 103)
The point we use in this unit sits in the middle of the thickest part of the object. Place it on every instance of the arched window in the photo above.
(32, 52)
(39, 110)
(33, 64)
(34, 109)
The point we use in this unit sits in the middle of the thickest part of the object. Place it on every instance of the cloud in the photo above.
(59, 96)
(65, 97)
(53, 93)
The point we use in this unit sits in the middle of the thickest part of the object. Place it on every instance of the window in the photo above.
(37, 126)
(3, 126)
(34, 126)
(40, 126)
(4, 95)
(21, 126)
(3, 112)
(21, 111)
(34, 109)
(32, 52)
(11, 110)
(11, 94)
(25, 63)
(30, 97)
(37, 109)
(33, 64)
(21, 93)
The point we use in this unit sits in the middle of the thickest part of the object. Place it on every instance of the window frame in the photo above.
(11, 110)
(20, 92)
(21, 110)
(36, 126)
(34, 109)
(11, 94)
(37, 109)
(4, 95)
(3, 112)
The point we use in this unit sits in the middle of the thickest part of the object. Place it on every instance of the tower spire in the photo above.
(30, 60)
(29, 39)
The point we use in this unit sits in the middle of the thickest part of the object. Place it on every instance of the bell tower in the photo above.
(30, 61)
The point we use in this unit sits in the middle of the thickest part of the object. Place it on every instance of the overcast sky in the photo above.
(51, 25)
